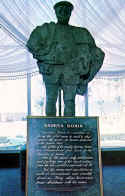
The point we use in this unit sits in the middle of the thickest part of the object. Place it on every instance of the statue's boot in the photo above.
(51, 98)
(69, 93)
(69, 107)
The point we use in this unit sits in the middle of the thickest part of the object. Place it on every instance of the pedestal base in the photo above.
(63, 157)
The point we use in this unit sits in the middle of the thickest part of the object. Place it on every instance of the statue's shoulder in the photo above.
(79, 29)
(82, 34)
(43, 30)
(46, 26)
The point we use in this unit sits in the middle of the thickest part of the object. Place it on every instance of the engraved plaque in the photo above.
(63, 155)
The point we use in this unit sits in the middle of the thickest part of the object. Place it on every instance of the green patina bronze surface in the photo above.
(67, 57)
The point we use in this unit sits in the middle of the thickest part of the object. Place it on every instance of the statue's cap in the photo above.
(63, 3)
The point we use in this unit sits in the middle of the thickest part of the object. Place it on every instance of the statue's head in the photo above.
(63, 10)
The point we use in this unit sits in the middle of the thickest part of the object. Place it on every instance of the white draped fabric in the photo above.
(105, 19)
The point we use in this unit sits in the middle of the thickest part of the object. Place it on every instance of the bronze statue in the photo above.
(67, 57)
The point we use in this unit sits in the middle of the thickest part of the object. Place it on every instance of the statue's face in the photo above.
(63, 13)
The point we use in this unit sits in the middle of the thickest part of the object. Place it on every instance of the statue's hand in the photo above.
(44, 69)
(81, 64)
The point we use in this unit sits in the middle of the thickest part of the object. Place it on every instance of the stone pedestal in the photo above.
(63, 157)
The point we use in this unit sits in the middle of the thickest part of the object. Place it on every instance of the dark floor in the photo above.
(10, 182)
(113, 180)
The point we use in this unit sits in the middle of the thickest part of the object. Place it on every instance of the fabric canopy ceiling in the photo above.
(105, 19)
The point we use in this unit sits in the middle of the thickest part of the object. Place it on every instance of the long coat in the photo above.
(86, 58)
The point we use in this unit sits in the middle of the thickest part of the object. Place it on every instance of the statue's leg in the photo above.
(51, 98)
(69, 93)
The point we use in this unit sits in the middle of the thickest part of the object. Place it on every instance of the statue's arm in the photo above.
(97, 57)
(90, 40)
(96, 62)
(35, 43)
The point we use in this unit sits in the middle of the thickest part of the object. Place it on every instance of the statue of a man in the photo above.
(67, 58)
